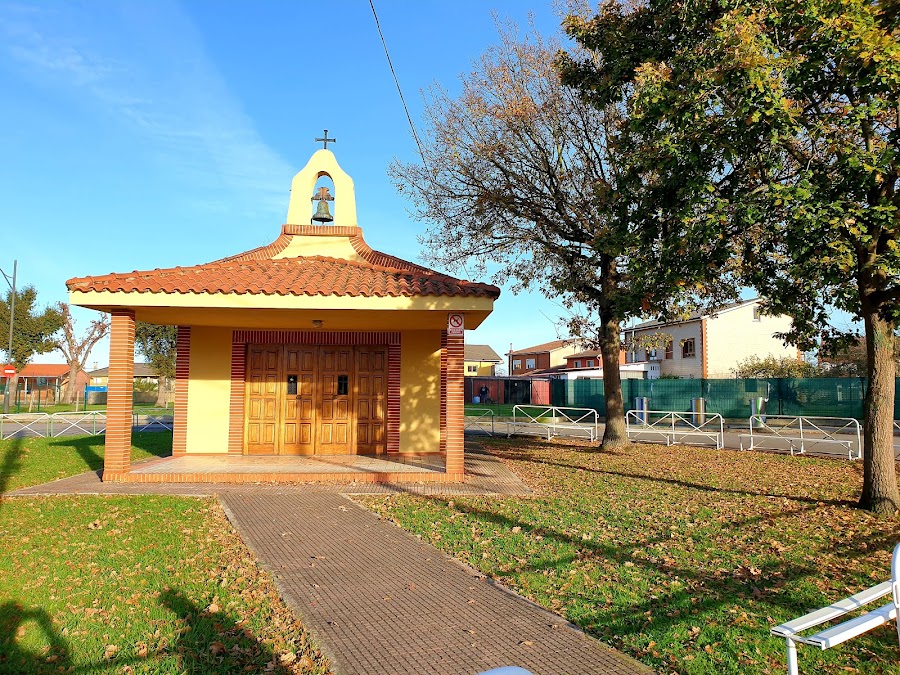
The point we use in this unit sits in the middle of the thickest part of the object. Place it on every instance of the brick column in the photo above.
(442, 446)
(393, 399)
(117, 458)
(182, 375)
(455, 376)
(236, 402)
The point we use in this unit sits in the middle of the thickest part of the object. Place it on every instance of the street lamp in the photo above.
(11, 281)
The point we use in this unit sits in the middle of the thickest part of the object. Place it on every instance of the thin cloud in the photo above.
(154, 77)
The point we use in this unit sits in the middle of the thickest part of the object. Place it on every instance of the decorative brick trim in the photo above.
(182, 377)
(236, 402)
(374, 257)
(321, 230)
(307, 337)
(393, 398)
(443, 423)
(455, 378)
(117, 457)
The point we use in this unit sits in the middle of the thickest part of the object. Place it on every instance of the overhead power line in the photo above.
(397, 82)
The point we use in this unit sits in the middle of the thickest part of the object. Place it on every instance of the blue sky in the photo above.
(137, 135)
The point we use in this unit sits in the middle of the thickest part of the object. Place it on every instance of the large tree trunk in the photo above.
(71, 383)
(610, 346)
(879, 493)
(162, 392)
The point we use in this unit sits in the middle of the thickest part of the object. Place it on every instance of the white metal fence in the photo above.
(479, 419)
(553, 421)
(675, 427)
(90, 423)
(772, 432)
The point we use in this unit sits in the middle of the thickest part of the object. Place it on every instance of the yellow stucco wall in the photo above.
(482, 368)
(209, 390)
(420, 391)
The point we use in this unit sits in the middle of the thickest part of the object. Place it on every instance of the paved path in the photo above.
(379, 600)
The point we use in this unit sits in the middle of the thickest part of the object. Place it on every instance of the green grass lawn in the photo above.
(681, 557)
(51, 408)
(123, 585)
(31, 461)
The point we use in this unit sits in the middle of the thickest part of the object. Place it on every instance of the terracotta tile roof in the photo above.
(591, 353)
(44, 370)
(314, 275)
(546, 347)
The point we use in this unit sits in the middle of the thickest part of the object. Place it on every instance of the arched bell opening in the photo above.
(323, 211)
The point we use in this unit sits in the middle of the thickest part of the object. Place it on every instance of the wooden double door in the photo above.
(315, 400)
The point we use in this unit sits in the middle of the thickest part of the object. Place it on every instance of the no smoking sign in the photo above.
(455, 324)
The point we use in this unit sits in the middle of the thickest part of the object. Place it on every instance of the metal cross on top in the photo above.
(322, 195)
(326, 140)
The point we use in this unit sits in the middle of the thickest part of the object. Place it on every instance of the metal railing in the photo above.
(554, 421)
(675, 427)
(805, 431)
(92, 422)
(147, 418)
(477, 420)
(24, 424)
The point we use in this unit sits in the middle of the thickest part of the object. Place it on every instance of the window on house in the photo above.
(652, 353)
(688, 348)
(757, 315)
(669, 351)
(529, 364)
(517, 364)
(578, 364)
(590, 363)
(472, 369)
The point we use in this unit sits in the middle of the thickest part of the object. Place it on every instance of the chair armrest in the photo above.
(833, 611)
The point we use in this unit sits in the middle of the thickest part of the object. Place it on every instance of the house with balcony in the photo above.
(708, 345)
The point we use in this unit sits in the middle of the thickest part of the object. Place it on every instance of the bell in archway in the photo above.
(322, 214)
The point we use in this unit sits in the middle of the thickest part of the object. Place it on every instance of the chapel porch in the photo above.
(224, 468)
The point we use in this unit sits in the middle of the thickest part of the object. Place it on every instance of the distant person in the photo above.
(483, 393)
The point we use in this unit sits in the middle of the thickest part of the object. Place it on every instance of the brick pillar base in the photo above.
(455, 422)
(117, 457)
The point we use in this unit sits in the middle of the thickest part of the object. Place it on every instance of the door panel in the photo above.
(316, 400)
(262, 399)
(371, 398)
(335, 421)
(299, 403)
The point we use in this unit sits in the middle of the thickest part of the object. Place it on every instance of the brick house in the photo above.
(313, 345)
(540, 357)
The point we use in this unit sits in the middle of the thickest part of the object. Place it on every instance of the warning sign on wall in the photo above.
(455, 324)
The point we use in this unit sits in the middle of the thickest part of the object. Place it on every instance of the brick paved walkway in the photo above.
(379, 600)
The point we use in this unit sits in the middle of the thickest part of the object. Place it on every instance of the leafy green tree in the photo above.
(781, 119)
(773, 366)
(34, 330)
(521, 177)
(158, 344)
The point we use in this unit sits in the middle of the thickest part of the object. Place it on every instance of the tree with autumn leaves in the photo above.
(781, 119)
(521, 177)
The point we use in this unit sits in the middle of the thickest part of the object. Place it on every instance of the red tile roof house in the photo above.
(540, 357)
(46, 381)
(314, 345)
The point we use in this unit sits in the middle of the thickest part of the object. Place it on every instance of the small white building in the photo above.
(711, 345)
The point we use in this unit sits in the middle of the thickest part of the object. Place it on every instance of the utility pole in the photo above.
(11, 281)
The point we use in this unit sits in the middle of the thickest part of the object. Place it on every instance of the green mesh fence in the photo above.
(812, 397)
